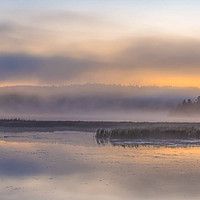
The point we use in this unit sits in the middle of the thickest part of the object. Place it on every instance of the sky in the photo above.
(64, 42)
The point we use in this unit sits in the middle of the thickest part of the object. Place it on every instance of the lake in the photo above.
(73, 165)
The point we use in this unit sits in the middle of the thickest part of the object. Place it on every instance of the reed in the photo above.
(156, 133)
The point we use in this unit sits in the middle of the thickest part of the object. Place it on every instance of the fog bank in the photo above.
(94, 102)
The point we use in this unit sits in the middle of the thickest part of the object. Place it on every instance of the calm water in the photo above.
(71, 165)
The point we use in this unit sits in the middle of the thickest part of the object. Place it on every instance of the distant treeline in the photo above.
(189, 106)
(90, 98)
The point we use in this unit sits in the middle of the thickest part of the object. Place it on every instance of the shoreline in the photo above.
(19, 125)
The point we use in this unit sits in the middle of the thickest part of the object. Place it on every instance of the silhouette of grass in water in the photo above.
(155, 133)
(180, 136)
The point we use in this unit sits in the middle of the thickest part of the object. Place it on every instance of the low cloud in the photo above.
(6, 27)
(168, 56)
(69, 17)
(44, 32)
(50, 70)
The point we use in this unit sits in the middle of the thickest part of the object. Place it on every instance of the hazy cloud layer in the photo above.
(52, 32)
(59, 42)
(163, 57)
(163, 54)
(50, 70)
(68, 16)
(6, 27)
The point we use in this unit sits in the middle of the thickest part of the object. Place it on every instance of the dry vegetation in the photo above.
(155, 131)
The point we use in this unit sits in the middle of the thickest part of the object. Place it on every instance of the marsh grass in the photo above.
(151, 132)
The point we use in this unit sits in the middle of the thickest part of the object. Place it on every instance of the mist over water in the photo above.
(94, 102)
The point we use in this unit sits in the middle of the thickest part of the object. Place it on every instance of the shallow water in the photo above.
(72, 165)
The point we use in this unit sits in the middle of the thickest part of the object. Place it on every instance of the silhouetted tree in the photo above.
(189, 101)
(197, 101)
(184, 102)
(188, 106)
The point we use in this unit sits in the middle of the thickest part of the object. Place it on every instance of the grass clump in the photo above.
(155, 133)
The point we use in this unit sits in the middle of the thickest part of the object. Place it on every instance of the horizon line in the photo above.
(99, 84)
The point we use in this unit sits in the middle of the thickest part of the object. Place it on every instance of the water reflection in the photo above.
(71, 165)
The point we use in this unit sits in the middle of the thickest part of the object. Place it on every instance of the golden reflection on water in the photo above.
(72, 166)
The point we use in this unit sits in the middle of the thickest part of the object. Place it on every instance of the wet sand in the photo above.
(72, 165)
